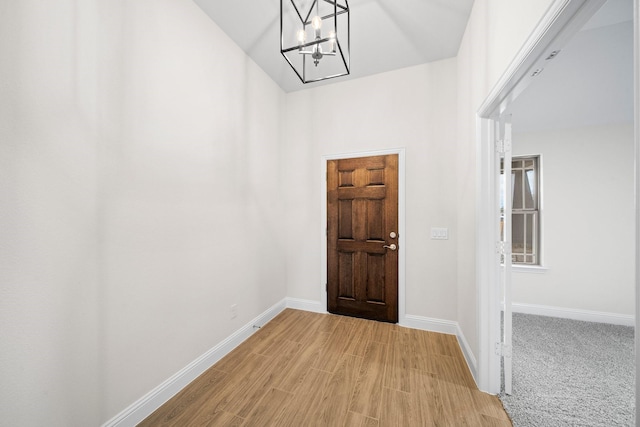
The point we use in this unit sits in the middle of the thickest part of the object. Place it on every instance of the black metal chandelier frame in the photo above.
(313, 48)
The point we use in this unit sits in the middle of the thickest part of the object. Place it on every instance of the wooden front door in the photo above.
(362, 237)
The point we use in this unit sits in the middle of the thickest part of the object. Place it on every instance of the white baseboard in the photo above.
(147, 404)
(444, 327)
(570, 313)
(430, 324)
(468, 354)
(305, 305)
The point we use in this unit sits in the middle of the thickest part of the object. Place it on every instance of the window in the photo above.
(525, 218)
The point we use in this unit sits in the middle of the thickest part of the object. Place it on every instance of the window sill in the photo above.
(533, 269)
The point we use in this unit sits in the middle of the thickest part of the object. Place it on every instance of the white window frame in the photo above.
(524, 266)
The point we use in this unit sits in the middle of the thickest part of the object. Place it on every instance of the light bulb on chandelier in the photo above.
(321, 16)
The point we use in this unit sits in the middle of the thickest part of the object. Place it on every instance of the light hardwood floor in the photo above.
(309, 369)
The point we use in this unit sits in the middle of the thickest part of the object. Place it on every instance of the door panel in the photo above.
(362, 212)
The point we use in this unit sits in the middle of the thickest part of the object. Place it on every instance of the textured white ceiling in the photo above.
(385, 34)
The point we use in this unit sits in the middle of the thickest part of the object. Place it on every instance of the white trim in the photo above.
(468, 354)
(401, 222)
(535, 269)
(636, 73)
(561, 21)
(575, 314)
(305, 305)
(487, 261)
(147, 404)
(542, 253)
(448, 327)
(558, 25)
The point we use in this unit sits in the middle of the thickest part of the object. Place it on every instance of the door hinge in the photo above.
(503, 350)
(503, 146)
(503, 248)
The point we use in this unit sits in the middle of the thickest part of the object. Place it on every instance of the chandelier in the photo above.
(315, 38)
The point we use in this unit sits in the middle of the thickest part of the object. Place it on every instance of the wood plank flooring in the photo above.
(309, 369)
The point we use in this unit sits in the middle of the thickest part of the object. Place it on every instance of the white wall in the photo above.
(141, 188)
(588, 214)
(192, 217)
(495, 32)
(49, 329)
(412, 108)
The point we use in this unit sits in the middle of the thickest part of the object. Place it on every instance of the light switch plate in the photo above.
(439, 233)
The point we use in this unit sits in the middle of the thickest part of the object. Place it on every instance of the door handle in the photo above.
(392, 246)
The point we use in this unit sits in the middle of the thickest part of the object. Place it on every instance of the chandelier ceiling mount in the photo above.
(316, 32)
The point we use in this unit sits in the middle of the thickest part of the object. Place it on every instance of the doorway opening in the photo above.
(563, 20)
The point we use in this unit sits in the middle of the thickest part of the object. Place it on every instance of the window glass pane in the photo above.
(528, 164)
(530, 190)
(518, 234)
(517, 189)
(529, 229)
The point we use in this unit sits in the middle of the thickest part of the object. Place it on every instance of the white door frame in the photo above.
(507, 362)
(562, 20)
(636, 64)
(401, 224)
